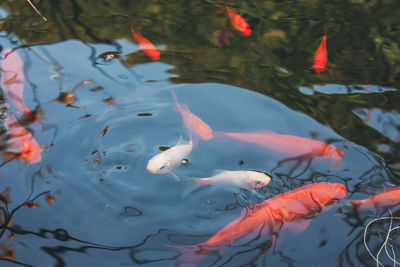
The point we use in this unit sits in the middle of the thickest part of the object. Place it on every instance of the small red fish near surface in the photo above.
(7, 252)
(390, 198)
(289, 144)
(320, 56)
(195, 125)
(145, 45)
(238, 22)
(23, 144)
(292, 209)
(13, 79)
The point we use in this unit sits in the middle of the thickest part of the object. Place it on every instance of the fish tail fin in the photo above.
(134, 33)
(188, 255)
(348, 208)
(219, 134)
(190, 185)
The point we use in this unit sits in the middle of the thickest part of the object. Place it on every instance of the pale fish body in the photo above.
(253, 179)
(165, 161)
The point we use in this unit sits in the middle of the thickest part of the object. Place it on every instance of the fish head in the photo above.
(159, 164)
(258, 179)
(328, 193)
(245, 29)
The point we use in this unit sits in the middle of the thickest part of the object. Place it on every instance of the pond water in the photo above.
(107, 107)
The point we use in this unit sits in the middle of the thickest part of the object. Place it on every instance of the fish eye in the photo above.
(258, 182)
(162, 167)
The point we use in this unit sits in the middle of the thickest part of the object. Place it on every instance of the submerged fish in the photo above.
(13, 79)
(320, 56)
(165, 161)
(21, 143)
(146, 46)
(289, 144)
(253, 179)
(390, 198)
(293, 209)
(193, 123)
(238, 22)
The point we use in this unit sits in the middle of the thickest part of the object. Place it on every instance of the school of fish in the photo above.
(292, 210)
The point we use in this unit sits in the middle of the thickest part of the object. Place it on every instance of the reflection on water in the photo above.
(99, 102)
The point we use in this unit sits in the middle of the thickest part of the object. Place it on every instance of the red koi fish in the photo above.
(289, 144)
(193, 123)
(13, 79)
(22, 143)
(321, 56)
(145, 45)
(292, 210)
(390, 198)
(238, 22)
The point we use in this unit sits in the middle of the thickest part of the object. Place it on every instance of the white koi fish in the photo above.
(165, 161)
(253, 179)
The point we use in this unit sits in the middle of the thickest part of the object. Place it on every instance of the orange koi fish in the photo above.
(289, 144)
(145, 45)
(193, 123)
(321, 56)
(390, 198)
(292, 210)
(238, 22)
(22, 143)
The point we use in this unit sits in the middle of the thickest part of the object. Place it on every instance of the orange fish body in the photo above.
(289, 144)
(13, 79)
(146, 46)
(320, 56)
(390, 198)
(23, 142)
(193, 123)
(292, 209)
(238, 22)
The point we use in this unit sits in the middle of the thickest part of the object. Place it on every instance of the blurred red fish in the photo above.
(321, 56)
(238, 22)
(13, 79)
(290, 210)
(21, 143)
(145, 45)
(289, 144)
(390, 198)
(192, 122)
(7, 252)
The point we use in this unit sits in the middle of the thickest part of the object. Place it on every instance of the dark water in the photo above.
(109, 210)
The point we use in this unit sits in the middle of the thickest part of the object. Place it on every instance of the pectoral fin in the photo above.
(297, 226)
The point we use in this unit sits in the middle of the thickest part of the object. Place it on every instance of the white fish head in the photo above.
(258, 179)
(165, 161)
(159, 164)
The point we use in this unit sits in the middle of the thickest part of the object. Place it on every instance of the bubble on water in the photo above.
(107, 58)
